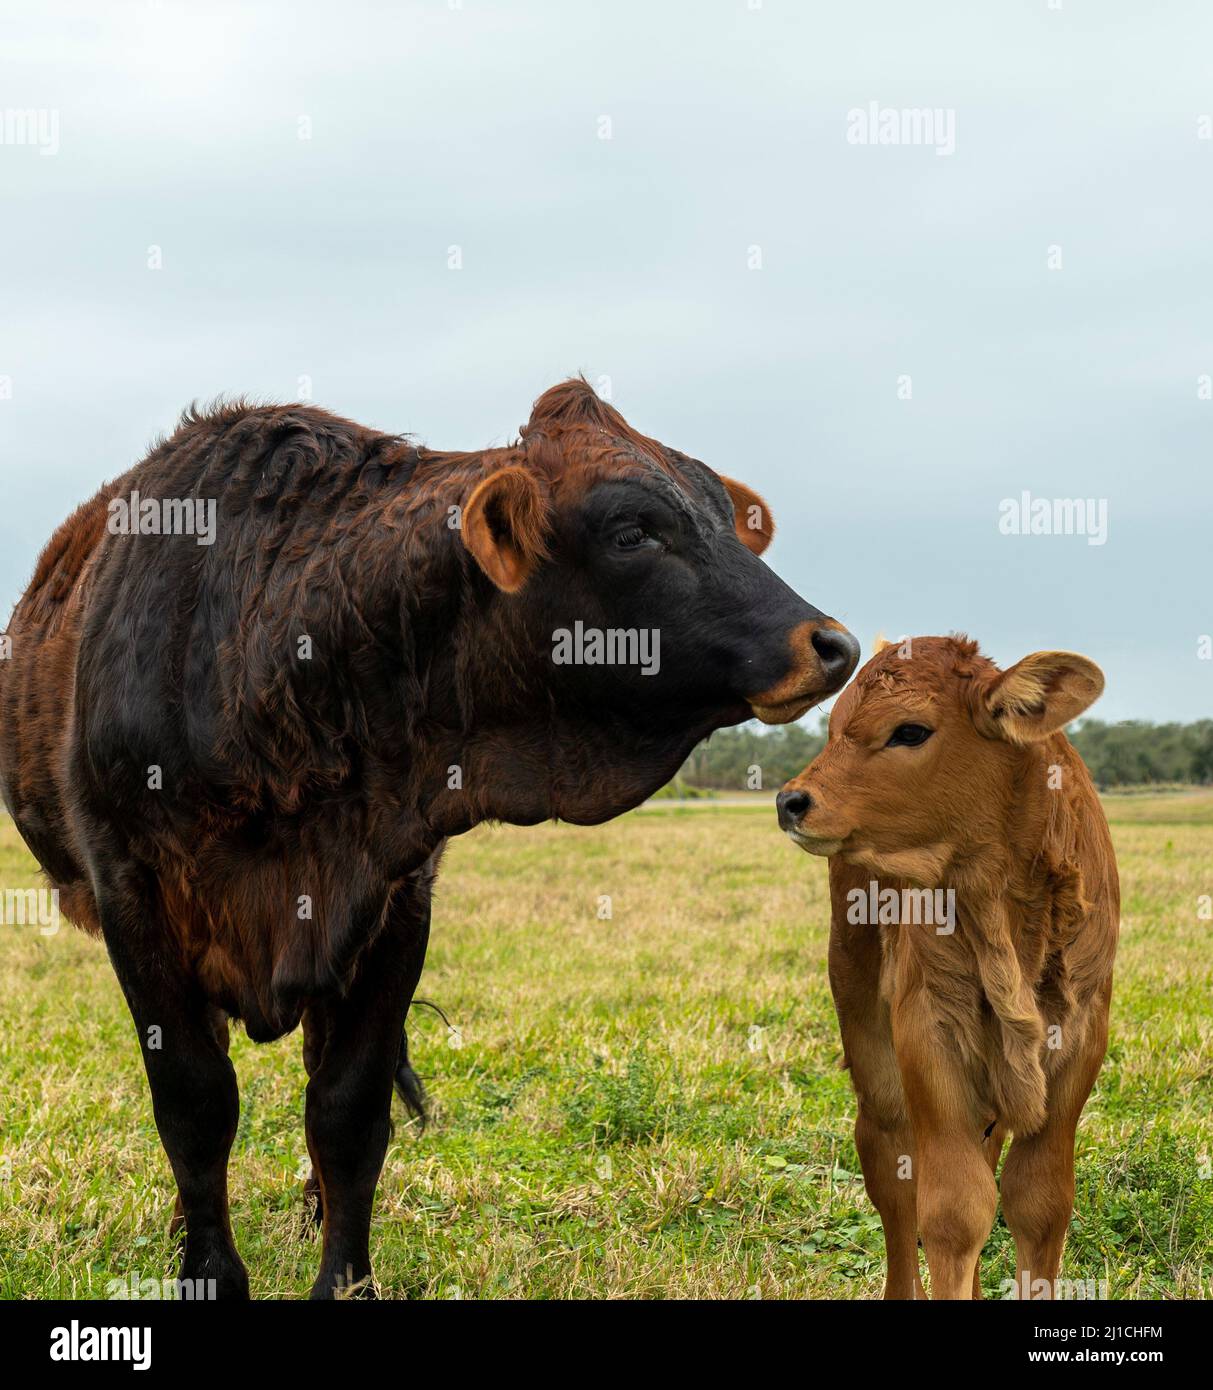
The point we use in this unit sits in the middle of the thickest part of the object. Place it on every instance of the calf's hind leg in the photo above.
(1038, 1180)
(193, 1084)
(992, 1145)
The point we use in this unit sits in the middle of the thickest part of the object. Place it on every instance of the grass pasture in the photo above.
(645, 1104)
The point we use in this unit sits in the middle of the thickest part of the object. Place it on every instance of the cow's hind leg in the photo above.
(350, 1091)
(193, 1085)
(408, 1088)
(314, 1033)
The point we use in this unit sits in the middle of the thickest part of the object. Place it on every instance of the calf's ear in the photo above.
(751, 516)
(504, 525)
(1041, 694)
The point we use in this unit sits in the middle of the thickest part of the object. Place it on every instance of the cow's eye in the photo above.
(909, 736)
(630, 537)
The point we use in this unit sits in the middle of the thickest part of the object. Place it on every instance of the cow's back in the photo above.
(116, 642)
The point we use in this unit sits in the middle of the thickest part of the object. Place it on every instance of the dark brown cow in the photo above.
(975, 914)
(239, 761)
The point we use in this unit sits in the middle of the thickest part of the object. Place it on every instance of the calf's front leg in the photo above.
(884, 1138)
(957, 1194)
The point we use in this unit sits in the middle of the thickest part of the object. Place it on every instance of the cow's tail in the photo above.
(407, 1082)
(1017, 1078)
(408, 1085)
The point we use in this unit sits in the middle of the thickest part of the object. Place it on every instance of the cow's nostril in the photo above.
(790, 806)
(837, 651)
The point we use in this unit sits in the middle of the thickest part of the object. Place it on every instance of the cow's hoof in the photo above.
(232, 1287)
(218, 1276)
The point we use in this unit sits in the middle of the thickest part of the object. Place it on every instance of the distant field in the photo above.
(645, 1105)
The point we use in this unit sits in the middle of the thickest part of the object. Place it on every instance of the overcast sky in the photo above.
(754, 282)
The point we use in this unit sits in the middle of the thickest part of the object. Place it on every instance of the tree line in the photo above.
(1132, 753)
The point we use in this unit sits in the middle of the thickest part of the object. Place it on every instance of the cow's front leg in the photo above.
(223, 1036)
(349, 1095)
(193, 1083)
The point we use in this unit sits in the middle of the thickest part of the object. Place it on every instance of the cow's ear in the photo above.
(504, 526)
(1041, 694)
(751, 516)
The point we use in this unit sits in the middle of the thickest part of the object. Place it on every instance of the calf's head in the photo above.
(925, 752)
(625, 590)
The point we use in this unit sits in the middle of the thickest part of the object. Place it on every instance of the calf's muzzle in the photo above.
(790, 806)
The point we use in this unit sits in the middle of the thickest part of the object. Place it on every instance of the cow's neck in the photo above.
(551, 771)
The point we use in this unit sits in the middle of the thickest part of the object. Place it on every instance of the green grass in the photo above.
(645, 1105)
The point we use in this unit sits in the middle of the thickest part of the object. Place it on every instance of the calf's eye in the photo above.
(909, 736)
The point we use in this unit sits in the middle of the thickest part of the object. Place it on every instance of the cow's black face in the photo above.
(636, 617)
(650, 605)
(679, 617)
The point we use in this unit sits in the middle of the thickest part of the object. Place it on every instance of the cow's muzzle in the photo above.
(823, 656)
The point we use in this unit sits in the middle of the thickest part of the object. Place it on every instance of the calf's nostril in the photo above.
(837, 651)
(790, 806)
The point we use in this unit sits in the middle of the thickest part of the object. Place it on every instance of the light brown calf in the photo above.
(978, 1007)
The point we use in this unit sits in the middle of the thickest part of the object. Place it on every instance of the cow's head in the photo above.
(625, 592)
(926, 751)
